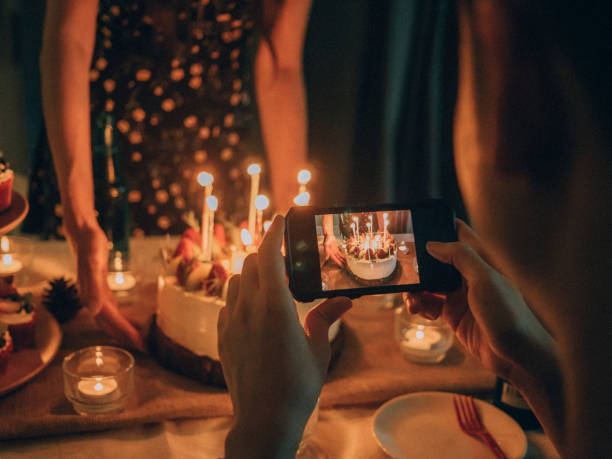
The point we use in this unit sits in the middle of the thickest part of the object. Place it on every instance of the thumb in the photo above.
(319, 320)
(461, 255)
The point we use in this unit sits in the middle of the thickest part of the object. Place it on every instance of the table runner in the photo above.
(370, 369)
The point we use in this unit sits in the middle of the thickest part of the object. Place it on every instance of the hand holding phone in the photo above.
(368, 250)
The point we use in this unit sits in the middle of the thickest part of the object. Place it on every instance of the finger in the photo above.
(319, 320)
(428, 305)
(338, 260)
(221, 321)
(249, 278)
(120, 327)
(271, 262)
(466, 234)
(233, 288)
(461, 255)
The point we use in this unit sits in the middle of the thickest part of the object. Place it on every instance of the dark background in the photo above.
(380, 76)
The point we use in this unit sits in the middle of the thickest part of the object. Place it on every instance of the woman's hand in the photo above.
(488, 314)
(91, 249)
(332, 250)
(274, 368)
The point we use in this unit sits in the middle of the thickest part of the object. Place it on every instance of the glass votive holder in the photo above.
(16, 254)
(120, 279)
(98, 379)
(422, 340)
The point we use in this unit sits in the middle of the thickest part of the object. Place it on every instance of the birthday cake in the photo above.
(190, 293)
(371, 256)
(6, 184)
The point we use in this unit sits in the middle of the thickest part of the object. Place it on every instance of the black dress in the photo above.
(177, 75)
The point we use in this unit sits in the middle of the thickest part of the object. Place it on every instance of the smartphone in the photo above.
(355, 251)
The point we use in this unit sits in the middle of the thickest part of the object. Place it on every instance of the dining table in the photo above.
(172, 416)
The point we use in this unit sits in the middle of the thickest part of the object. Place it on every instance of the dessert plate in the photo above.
(424, 425)
(23, 365)
(15, 214)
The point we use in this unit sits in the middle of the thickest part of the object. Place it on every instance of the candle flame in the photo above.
(246, 237)
(262, 202)
(302, 199)
(4, 244)
(304, 176)
(212, 202)
(419, 334)
(119, 278)
(98, 386)
(7, 259)
(267, 224)
(205, 179)
(254, 169)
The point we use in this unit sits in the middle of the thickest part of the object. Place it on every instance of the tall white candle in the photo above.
(211, 203)
(254, 170)
(356, 220)
(206, 180)
(354, 232)
(261, 203)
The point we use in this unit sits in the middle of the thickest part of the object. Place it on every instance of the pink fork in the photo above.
(471, 423)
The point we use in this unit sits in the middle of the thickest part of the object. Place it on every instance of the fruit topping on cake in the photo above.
(192, 272)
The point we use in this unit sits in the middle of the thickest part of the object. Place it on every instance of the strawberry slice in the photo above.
(185, 248)
(219, 234)
(193, 235)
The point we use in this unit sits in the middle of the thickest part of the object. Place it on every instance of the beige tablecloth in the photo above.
(370, 368)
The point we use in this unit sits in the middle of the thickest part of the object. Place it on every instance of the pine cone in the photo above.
(62, 300)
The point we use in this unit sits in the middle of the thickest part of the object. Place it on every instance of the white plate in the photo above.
(424, 425)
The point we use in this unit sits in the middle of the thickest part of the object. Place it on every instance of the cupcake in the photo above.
(20, 315)
(6, 184)
(6, 346)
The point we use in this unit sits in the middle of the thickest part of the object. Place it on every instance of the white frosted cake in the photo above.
(190, 294)
(371, 256)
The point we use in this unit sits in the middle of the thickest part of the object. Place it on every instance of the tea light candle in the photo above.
(121, 281)
(97, 389)
(421, 338)
(10, 265)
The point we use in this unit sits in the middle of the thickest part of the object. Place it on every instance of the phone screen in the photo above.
(365, 249)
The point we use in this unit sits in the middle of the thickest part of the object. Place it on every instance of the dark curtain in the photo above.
(403, 147)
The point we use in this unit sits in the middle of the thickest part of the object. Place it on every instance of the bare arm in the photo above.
(282, 100)
(68, 42)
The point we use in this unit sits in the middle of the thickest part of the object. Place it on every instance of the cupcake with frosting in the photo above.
(19, 313)
(6, 184)
(6, 346)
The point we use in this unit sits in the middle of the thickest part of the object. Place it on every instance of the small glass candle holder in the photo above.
(98, 379)
(120, 278)
(422, 340)
(16, 254)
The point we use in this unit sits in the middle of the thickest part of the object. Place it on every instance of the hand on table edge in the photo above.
(494, 323)
(274, 379)
(90, 246)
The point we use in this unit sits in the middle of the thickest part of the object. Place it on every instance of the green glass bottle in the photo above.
(109, 185)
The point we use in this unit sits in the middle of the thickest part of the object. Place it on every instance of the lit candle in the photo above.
(10, 265)
(211, 203)
(206, 180)
(421, 338)
(261, 203)
(254, 170)
(386, 223)
(98, 389)
(371, 225)
(120, 281)
(356, 221)
(302, 199)
(267, 225)
(354, 232)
